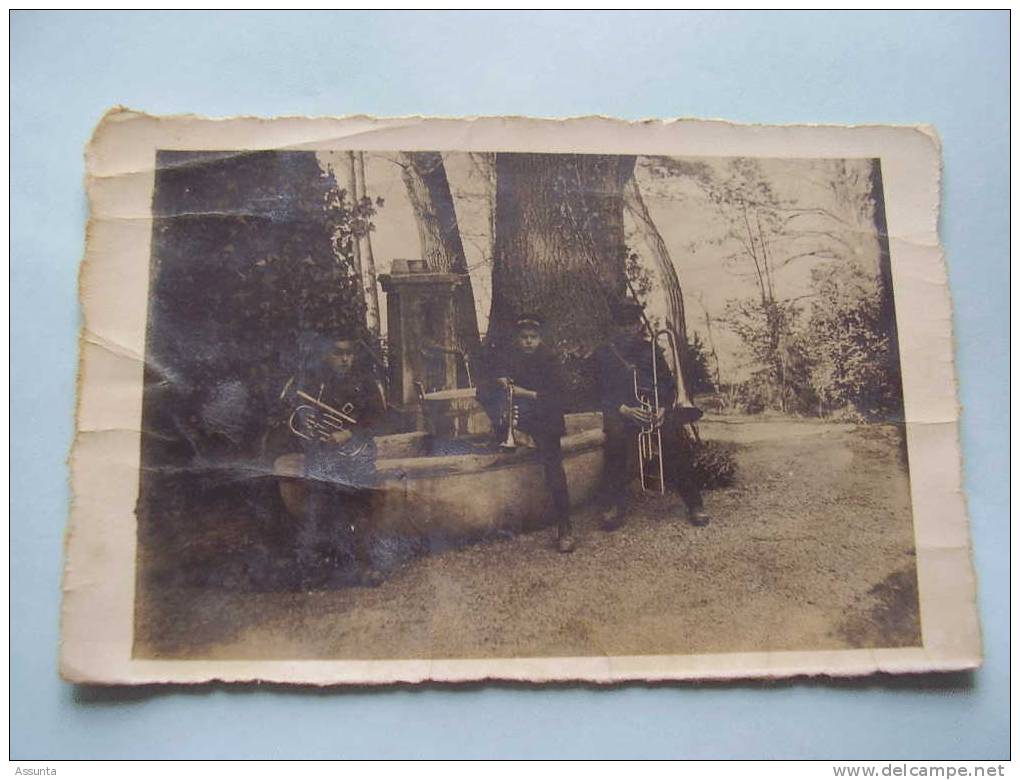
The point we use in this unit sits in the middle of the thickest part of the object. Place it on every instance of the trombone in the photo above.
(649, 437)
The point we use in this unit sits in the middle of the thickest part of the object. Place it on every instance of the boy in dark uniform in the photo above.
(339, 461)
(538, 391)
(628, 349)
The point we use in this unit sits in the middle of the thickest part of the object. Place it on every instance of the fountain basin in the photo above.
(474, 491)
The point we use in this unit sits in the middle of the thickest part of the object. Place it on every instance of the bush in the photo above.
(855, 367)
(715, 464)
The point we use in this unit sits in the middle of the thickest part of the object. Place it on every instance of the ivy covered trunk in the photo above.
(560, 252)
(251, 256)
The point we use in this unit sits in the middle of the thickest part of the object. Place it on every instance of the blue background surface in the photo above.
(948, 69)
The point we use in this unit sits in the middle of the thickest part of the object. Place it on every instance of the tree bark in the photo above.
(559, 248)
(368, 259)
(352, 196)
(485, 166)
(559, 252)
(439, 235)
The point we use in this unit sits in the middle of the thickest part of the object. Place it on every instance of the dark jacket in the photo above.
(539, 371)
(615, 363)
(354, 462)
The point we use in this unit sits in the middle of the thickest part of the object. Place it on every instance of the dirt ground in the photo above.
(811, 548)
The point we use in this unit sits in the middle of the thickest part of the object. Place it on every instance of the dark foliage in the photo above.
(854, 364)
(715, 464)
(696, 370)
(778, 352)
(251, 258)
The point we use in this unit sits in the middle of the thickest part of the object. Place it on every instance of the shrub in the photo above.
(715, 464)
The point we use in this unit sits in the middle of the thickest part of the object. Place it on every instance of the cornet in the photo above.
(316, 420)
(510, 440)
(649, 438)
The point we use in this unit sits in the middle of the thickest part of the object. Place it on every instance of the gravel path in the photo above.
(812, 548)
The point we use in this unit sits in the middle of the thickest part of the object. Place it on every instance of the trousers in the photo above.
(336, 528)
(622, 467)
(550, 454)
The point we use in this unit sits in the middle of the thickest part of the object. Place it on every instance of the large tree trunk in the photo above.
(559, 247)
(559, 252)
(439, 235)
(676, 320)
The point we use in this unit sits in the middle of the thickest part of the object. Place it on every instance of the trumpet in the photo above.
(649, 437)
(316, 420)
(510, 440)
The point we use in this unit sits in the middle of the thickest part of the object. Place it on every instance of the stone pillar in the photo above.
(421, 329)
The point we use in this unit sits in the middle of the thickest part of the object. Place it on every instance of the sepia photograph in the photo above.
(440, 405)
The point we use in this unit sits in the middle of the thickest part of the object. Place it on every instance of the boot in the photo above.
(698, 517)
(565, 537)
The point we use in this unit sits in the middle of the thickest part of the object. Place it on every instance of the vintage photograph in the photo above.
(462, 404)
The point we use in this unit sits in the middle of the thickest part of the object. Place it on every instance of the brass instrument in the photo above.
(649, 438)
(510, 440)
(315, 420)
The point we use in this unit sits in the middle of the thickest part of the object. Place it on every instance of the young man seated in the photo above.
(629, 350)
(536, 378)
(334, 409)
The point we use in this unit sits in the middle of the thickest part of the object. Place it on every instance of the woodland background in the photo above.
(773, 274)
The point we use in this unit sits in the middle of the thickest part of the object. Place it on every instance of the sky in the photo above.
(699, 236)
